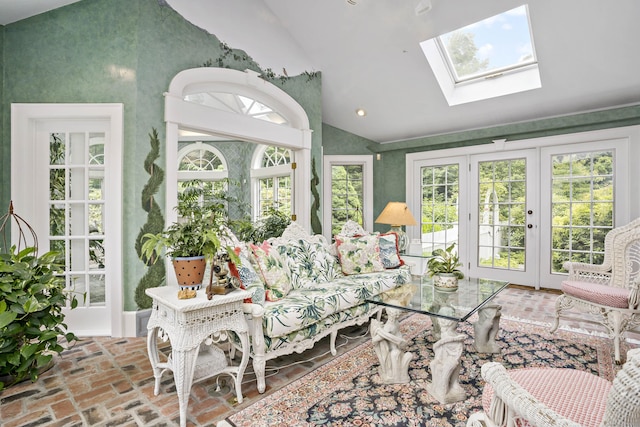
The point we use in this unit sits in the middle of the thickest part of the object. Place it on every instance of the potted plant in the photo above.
(32, 296)
(193, 239)
(444, 267)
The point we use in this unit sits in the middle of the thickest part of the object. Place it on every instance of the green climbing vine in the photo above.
(229, 56)
(156, 272)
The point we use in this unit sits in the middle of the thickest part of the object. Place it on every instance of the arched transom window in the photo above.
(199, 160)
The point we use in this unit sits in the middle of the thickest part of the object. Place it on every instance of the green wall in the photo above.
(121, 51)
(390, 170)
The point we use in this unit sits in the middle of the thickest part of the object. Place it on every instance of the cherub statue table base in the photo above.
(390, 347)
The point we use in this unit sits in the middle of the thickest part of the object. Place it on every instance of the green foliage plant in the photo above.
(272, 225)
(195, 233)
(32, 296)
(445, 261)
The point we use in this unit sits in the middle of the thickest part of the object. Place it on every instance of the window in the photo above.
(272, 181)
(348, 189)
(200, 161)
(582, 205)
(486, 59)
(439, 212)
(238, 104)
(496, 44)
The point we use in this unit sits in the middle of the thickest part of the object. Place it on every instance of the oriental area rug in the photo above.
(347, 391)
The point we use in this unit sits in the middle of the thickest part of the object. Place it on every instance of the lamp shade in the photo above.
(396, 213)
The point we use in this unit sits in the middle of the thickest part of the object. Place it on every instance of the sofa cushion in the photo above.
(309, 304)
(273, 271)
(359, 254)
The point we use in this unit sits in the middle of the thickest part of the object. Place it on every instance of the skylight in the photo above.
(486, 59)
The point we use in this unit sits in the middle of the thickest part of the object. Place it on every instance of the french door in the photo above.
(68, 193)
(519, 215)
(503, 217)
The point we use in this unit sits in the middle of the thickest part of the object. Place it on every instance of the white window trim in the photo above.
(179, 112)
(258, 172)
(367, 210)
(216, 175)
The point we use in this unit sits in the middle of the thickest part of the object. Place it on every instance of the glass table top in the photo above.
(421, 296)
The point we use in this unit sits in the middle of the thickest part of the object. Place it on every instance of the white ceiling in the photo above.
(370, 58)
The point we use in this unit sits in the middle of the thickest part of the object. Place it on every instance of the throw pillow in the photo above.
(359, 254)
(249, 279)
(273, 271)
(309, 263)
(389, 252)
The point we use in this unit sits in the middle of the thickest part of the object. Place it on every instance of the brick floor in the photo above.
(108, 381)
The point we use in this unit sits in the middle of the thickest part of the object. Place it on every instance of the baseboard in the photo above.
(134, 323)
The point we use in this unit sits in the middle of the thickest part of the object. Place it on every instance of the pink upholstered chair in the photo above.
(551, 397)
(610, 289)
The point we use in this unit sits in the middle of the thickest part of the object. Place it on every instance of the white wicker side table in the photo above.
(193, 326)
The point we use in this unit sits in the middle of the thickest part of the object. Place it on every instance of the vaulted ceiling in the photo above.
(369, 55)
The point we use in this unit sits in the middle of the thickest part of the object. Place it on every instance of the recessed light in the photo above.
(360, 112)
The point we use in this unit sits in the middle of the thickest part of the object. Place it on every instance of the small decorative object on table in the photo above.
(220, 282)
(443, 267)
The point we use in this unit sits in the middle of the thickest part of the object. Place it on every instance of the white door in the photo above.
(70, 204)
(504, 217)
(584, 193)
(519, 215)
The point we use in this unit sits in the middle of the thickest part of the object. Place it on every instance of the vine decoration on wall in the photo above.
(230, 57)
(156, 272)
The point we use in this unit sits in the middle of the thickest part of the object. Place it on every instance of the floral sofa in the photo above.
(304, 289)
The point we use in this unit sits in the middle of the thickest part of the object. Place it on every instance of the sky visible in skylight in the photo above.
(504, 40)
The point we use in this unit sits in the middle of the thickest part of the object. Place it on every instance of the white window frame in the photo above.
(259, 172)
(367, 209)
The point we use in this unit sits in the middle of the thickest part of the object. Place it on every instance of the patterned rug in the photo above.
(347, 391)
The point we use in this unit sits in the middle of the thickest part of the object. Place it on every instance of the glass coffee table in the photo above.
(446, 308)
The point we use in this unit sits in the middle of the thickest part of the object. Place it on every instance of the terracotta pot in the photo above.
(189, 271)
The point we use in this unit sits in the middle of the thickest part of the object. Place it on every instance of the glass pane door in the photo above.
(503, 218)
(76, 210)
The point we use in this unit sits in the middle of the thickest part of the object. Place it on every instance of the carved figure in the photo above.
(486, 329)
(445, 366)
(390, 347)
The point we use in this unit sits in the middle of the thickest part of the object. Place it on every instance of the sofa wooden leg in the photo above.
(259, 365)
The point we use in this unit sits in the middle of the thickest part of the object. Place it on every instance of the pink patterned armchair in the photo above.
(609, 290)
(551, 397)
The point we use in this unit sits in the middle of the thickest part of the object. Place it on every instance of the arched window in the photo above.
(199, 160)
(272, 176)
(238, 106)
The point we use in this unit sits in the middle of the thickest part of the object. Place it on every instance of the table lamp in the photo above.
(397, 214)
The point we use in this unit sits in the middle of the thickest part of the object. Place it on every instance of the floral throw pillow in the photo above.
(249, 278)
(359, 254)
(273, 271)
(309, 263)
(389, 253)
